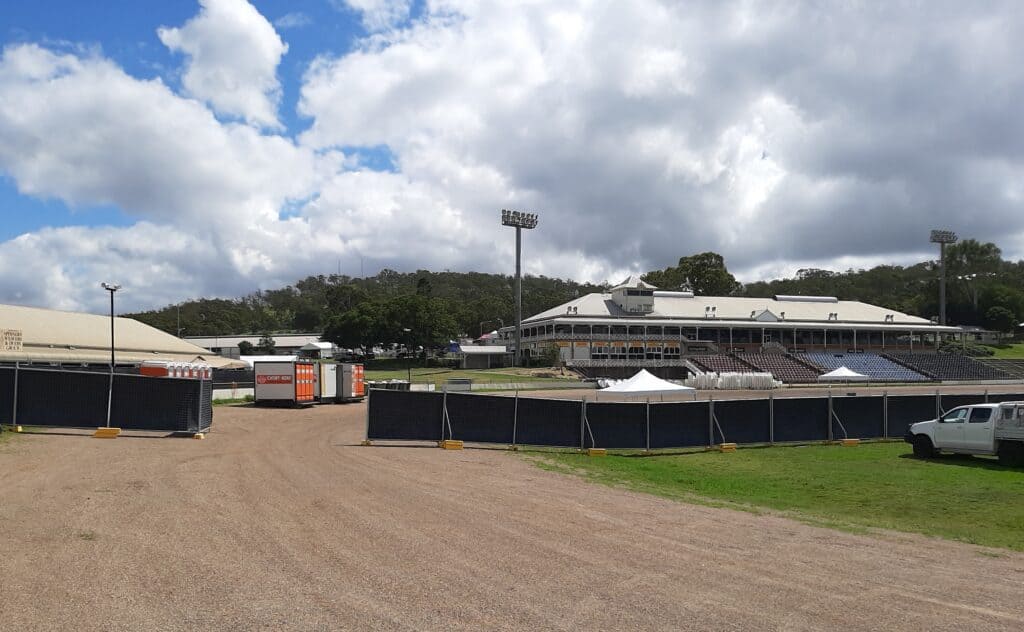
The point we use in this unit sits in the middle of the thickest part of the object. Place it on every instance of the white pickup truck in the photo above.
(977, 429)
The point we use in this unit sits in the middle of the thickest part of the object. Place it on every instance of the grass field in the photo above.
(438, 376)
(1009, 351)
(971, 499)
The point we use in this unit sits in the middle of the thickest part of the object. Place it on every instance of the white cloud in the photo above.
(293, 20)
(377, 15)
(233, 53)
(641, 132)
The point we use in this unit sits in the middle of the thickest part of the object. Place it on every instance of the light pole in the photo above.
(111, 287)
(519, 221)
(942, 237)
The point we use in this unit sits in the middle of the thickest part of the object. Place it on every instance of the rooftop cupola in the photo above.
(634, 296)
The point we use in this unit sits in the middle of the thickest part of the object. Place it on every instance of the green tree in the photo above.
(705, 274)
(266, 345)
(246, 348)
(1000, 319)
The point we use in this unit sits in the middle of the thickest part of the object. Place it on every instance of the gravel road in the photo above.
(280, 520)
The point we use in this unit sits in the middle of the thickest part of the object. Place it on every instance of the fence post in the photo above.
(369, 398)
(986, 395)
(885, 414)
(938, 404)
(583, 416)
(14, 412)
(648, 425)
(444, 408)
(830, 433)
(771, 417)
(515, 418)
(711, 422)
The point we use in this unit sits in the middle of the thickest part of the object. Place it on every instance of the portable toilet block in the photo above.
(351, 385)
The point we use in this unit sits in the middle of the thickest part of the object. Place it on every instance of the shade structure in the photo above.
(843, 374)
(645, 382)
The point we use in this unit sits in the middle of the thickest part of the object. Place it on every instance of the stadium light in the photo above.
(519, 221)
(111, 287)
(942, 237)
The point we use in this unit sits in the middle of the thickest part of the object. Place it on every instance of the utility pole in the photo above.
(111, 287)
(519, 221)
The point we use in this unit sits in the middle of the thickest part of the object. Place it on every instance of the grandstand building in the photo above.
(637, 325)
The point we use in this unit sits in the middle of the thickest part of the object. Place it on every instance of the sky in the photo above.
(211, 148)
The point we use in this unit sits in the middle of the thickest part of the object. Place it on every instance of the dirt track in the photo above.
(280, 521)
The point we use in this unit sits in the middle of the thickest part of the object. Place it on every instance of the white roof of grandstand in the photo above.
(634, 282)
(734, 311)
(47, 335)
(645, 382)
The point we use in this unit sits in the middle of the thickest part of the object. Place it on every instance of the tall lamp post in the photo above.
(111, 287)
(519, 221)
(942, 237)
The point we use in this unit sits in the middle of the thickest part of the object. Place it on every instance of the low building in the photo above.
(34, 335)
(484, 356)
(635, 324)
(227, 346)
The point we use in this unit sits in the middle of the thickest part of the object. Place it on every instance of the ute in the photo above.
(977, 429)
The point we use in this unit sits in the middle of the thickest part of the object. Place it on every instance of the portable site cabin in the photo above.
(285, 383)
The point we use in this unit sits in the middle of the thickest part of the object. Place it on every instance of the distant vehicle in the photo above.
(977, 429)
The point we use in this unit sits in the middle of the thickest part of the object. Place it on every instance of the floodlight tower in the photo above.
(519, 221)
(942, 237)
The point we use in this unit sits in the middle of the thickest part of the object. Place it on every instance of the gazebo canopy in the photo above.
(645, 382)
(843, 374)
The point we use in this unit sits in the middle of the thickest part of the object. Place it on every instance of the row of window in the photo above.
(740, 336)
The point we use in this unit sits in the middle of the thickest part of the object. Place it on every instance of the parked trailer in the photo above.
(351, 383)
(287, 383)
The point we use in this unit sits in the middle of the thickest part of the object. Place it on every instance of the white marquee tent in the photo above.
(645, 382)
(843, 374)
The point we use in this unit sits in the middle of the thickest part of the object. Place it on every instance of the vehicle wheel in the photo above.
(923, 448)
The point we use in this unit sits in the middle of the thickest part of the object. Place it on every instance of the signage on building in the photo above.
(10, 339)
(273, 379)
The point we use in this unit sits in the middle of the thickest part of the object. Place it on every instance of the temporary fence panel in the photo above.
(7, 396)
(549, 422)
(800, 419)
(623, 425)
(78, 399)
(862, 417)
(949, 402)
(679, 425)
(481, 418)
(404, 415)
(407, 415)
(904, 410)
(742, 421)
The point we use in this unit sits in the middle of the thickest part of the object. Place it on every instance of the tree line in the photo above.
(428, 309)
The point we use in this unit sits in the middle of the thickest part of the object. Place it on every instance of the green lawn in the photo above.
(971, 499)
(438, 376)
(1009, 351)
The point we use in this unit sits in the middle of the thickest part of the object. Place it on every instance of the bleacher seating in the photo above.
(876, 367)
(783, 367)
(948, 366)
(720, 363)
(1013, 368)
